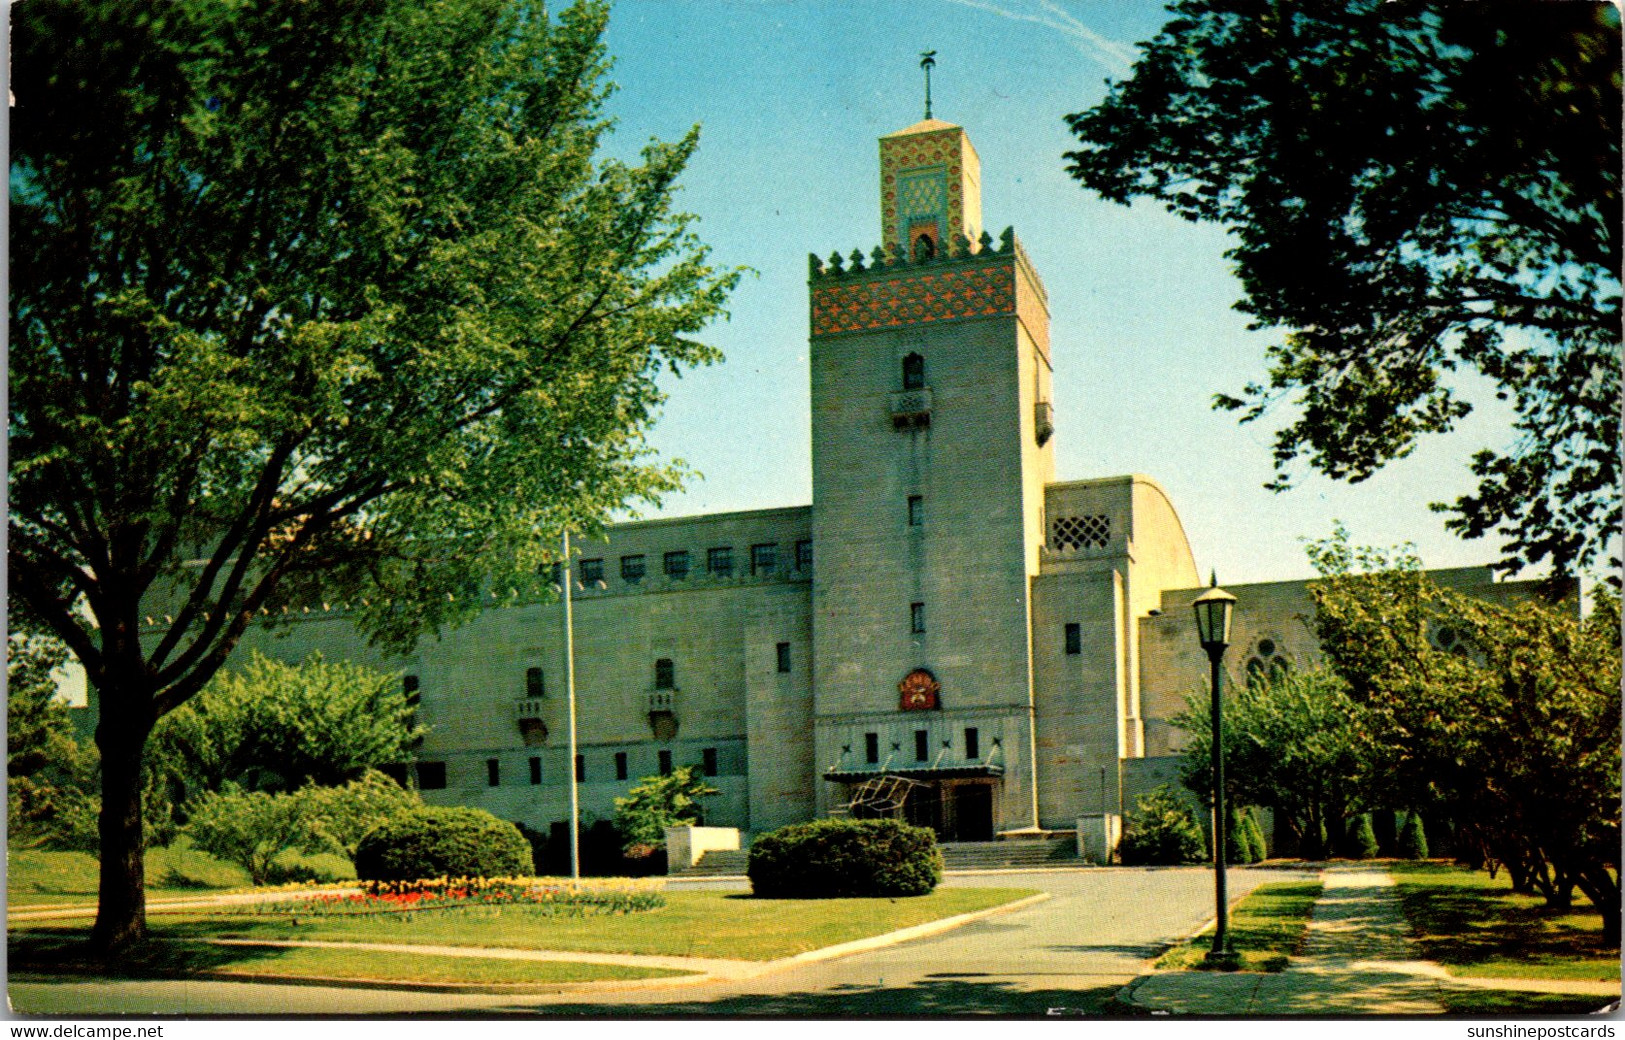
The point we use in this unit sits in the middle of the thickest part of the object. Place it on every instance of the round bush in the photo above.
(436, 841)
(1161, 832)
(841, 857)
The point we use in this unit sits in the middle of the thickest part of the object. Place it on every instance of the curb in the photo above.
(470, 988)
(902, 935)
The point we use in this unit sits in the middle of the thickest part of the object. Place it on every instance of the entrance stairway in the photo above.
(1011, 855)
(956, 855)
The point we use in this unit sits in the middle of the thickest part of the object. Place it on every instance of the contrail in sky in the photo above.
(1117, 57)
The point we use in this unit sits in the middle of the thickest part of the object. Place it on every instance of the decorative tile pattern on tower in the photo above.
(914, 298)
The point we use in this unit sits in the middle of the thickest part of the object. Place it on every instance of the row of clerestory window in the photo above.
(922, 745)
(431, 775)
(677, 564)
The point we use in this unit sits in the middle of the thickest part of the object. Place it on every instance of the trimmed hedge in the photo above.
(442, 841)
(1413, 840)
(833, 858)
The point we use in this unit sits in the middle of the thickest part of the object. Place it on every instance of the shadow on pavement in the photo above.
(926, 997)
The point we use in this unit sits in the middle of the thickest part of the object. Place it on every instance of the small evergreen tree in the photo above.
(1362, 839)
(1261, 849)
(1413, 839)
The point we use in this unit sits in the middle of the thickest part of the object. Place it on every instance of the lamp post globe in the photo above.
(1213, 610)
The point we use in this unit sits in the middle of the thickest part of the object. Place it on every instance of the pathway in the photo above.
(1358, 959)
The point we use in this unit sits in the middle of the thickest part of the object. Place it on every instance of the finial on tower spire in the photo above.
(928, 60)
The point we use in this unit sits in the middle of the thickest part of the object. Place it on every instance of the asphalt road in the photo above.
(1066, 956)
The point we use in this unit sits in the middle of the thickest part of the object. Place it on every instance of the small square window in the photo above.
(922, 745)
(871, 747)
(708, 761)
(620, 765)
(720, 560)
(581, 768)
(535, 683)
(665, 674)
(804, 555)
(493, 772)
(784, 657)
(591, 571)
(432, 776)
(665, 763)
(764, 559)
(1074, 638)
(535, 770)
(916, 618)
(632, 568)
(916, 510)
(973, 743)
(676, 564)
(410, 687)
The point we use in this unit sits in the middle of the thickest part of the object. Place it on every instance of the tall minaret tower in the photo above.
(931, 448)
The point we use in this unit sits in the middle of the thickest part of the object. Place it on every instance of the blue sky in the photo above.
(792, 96)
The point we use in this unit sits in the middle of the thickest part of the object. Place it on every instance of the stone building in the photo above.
(945, 610)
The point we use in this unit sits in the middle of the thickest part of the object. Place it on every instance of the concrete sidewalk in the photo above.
(1358, 960)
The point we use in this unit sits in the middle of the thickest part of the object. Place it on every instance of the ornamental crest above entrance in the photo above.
(918, 691)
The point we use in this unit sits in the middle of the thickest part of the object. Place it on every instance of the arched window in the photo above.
(665, 674)
(913, 372)
(924, 248)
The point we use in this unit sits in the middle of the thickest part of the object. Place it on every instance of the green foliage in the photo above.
(340, 817)
(342, 308)
(271, 726)
(250, 829)
(1361, 838)
(1244, 842)
(835, 857)
(1293, 744)
(436, 841)
(1413, 839)
(1513, 731)
(1413, 190)
(51, 776)
(1161, 831)
(258, 830)
(658, 802)
(1255, 834)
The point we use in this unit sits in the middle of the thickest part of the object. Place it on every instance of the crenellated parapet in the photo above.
(891, 289)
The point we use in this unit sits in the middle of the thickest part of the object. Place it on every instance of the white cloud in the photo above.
(1116, 57)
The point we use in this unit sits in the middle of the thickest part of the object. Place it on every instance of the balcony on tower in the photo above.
(911, 408)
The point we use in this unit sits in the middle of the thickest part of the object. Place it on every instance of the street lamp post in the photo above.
(570, 695)
(1213, 610)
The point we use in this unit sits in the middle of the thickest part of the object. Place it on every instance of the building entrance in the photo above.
(973, 812)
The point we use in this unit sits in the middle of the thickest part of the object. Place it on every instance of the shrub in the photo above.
(1261, 849)
(249, 828)
(1413, 839)
(1161, 832)
(843, 857)
(1244, 841)
(436, 841)
(658, 802)
(342, 816)
(1362, 839)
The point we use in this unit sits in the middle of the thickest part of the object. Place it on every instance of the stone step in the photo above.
(716, 863)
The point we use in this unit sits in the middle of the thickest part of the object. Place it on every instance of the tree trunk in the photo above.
(1602, 888)
(121, 913)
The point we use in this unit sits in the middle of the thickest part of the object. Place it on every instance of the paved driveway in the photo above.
(1065, 956)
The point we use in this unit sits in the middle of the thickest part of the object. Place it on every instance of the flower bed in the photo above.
(546, 897)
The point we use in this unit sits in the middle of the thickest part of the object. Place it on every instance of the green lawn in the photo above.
(692, 924)
(47, 953)
(35, 877)
(1513, 1003)
(1477, 927)
(1265, 929)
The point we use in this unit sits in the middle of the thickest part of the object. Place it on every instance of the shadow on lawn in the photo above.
(1475, 926)
(68, 953)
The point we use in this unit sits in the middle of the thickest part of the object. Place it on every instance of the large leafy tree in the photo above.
(1505, 716)
(1414, 190)
(329, 302)
(1295, 744)
(273, 726)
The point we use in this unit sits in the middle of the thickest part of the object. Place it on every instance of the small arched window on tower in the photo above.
(924, 248)
(913, 372)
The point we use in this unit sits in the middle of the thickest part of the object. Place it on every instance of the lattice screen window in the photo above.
(1080, 532)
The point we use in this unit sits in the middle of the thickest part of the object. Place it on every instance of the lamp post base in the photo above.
(1222, 960)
